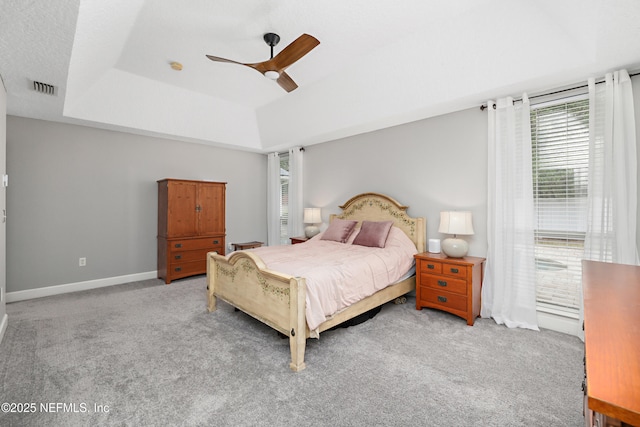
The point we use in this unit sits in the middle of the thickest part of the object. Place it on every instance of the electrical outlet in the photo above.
(82, 262)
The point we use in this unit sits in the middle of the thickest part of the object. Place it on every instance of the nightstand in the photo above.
(300, 239)
(246, 245)
(449, 284)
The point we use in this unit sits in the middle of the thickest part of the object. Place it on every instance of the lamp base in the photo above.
(311, 230)
(455, 248)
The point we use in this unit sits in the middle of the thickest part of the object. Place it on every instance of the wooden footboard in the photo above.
(275, 299)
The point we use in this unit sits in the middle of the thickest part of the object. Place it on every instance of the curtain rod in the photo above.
(287, 152)
(484, 106)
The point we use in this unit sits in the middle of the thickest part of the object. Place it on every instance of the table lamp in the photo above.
(453, 222)
(311, 216)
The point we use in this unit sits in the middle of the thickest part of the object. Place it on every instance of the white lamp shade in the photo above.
(454, 222)
(312, 216)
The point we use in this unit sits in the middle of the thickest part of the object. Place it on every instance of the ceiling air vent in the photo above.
(45, 88)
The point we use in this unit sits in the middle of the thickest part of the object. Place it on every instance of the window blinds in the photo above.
(560, 155)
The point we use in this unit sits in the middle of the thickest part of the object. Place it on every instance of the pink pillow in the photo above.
(373, 233)
(339, 230)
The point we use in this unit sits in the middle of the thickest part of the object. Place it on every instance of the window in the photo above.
(284, 197)
(560, 153)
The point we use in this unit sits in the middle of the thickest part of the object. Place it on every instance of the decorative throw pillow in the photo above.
(339, 230)
(373, 233)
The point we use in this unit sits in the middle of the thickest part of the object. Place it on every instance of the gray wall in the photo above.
(76, 191)
(81, 192)
(430, 165)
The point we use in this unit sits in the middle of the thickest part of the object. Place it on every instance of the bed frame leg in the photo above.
(298, 323)
(297, 344)
(211, 278)
(211, 306)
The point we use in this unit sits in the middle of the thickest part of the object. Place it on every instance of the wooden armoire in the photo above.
(191, 222)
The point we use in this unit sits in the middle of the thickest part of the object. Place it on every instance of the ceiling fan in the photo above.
(274, 67)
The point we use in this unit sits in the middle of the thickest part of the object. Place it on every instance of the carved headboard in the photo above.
(378, 207)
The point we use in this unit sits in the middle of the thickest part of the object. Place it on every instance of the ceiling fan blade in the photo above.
(218, 59)
(296, 50)
(286, 82)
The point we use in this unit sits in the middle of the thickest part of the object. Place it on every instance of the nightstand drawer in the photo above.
(444, 299)
(442, 283)
(454, 270)
(430, 267)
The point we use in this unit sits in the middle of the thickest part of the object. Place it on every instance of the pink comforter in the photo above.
(340, 274)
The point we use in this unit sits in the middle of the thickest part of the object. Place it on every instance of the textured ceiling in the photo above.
(379, 63)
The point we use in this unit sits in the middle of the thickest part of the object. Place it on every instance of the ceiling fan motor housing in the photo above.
(271, 39)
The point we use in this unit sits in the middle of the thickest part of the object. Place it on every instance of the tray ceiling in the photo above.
(379, 63)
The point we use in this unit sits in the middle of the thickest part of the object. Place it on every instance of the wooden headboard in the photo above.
(378, 207)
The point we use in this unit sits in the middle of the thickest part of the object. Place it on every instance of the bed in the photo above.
(243, 280)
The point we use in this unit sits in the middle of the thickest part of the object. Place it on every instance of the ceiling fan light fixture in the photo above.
(273, 75)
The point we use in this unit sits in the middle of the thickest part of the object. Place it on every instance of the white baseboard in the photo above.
(78, 286)
(559, 323)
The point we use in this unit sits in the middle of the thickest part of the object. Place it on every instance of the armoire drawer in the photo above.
(191, 244)
(179, 256)
(187, 268)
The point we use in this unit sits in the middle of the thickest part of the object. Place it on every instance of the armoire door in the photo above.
(211, 209)
(183, 214)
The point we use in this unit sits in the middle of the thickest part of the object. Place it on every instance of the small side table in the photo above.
(449, 284)
(299, 239)
(246, 245)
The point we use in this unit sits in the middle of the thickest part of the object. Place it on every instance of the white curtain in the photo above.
(612, 194)
(509, 289)
(295, 225)
(273, 199)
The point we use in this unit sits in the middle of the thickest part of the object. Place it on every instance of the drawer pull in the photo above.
(442, 283)
(454, 270)
(180, 269)
(431, 266)
(178, 257)
(178, 245)
(215, 242)
(442, 299)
